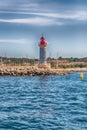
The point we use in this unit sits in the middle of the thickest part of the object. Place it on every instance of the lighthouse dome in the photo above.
(42, 41)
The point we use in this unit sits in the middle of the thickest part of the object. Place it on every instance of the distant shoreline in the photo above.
(35, 71)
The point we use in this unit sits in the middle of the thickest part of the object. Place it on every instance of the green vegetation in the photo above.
(69, 62)
(72, 66)
(76, 59)
(71, 59)
(17, 61)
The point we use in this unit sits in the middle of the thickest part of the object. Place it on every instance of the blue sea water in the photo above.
(43, 102)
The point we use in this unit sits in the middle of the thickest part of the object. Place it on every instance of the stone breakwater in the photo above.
(33, 71)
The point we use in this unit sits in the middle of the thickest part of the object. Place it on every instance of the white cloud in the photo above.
(18, 41)
(78, 15)
(33, 21)
(73, 15)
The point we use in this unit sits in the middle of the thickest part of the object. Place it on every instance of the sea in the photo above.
(43, 102)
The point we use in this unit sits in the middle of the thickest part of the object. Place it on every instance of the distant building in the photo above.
(42, 53)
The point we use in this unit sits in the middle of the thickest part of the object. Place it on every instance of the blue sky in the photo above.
(63, 23)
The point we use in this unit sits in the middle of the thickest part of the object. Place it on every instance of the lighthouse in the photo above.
(42, 53)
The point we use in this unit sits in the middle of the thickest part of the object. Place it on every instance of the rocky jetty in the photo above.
(33, 71)
(30, 71)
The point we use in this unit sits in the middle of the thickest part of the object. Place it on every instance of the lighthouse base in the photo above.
(45, 66)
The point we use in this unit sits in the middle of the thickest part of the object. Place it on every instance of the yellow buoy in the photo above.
(81, 75)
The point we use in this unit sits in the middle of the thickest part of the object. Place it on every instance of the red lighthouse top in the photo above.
(42, 42)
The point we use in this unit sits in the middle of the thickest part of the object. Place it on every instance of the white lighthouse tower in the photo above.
(42, 53)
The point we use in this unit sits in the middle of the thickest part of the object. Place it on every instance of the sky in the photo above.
(62, 22)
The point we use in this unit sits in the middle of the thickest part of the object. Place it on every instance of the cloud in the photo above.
(72, 15)
(33, 21)
(18, 41)
(78, 15)
(18, 5)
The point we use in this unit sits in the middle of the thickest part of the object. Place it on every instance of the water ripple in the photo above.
(43, 103)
